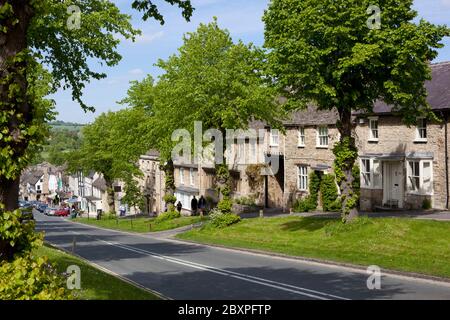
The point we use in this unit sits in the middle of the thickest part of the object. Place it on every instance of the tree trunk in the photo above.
(110, 196)
(15, 107)
(346, 161)
(169, 183)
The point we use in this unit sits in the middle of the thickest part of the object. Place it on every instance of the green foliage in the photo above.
(168, 198)
(15, 236)
(326, 50)
(305, 205)
(133, 194)
(62, 140)
(225, 205)
(170, 215)
(426, 204)
(246, 201)
(329, 193)
(220, 219)
(31, 278)
(310, 202)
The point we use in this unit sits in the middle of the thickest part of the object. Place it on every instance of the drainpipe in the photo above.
(446, 162)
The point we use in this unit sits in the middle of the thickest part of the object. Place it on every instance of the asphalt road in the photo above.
(188, 271)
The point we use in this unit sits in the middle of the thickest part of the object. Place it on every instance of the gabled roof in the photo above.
(100, 184)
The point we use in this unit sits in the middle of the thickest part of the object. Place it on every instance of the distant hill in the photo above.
(62, 125)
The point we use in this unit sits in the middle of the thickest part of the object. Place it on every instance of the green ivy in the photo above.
(329, 193)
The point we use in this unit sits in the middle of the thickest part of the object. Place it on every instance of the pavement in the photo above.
(181, 270)
(437, 215)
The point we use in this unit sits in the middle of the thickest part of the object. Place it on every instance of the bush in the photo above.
(246, 201)
(22, 276)
(305, 205)
(170, 215)
(329, 193)
(168, 198)
(218, 219)
(225, 205)
(30, 278)
(426, 204)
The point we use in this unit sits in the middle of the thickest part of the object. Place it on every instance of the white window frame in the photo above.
(274, 137)
(411, 175)
(421, 129)
(302, 177)
(181, 171)
(301, 137)
(373, 175)
(323, 136)
(191, 177)
(372, 136)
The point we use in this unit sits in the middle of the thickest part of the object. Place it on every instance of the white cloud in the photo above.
(148, 38)
(136, 72)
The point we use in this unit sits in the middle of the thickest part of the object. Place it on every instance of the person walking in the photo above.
(202, 205)
(194, 206)
(179, 206)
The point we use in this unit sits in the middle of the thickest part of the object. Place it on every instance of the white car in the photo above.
(50, 211)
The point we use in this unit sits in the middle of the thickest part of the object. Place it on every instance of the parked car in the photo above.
(41, 207)
(63, 212)
(24, 204)
(50, 211)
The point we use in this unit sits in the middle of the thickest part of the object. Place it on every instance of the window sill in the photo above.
(301, 146)
(413, 193)
(421, 141)
(321, 147)
(373, 140)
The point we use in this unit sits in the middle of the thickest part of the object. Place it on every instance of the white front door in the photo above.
(393, 183)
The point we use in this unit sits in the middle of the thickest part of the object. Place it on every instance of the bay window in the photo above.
(420, 176)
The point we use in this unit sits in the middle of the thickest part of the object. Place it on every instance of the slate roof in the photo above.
(32, 177)
(100, 184)
(438, 89)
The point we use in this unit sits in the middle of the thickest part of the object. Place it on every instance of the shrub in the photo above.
(426, 204)
(218, 219)
(30, 278)
(305, 205)
(329, 193)
(246, 201)
(225, 205)
(170, 215)
(168, 198)
(22, 276)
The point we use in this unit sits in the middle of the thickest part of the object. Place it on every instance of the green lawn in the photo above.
(141, 225)
(95, 284)
(398, 244)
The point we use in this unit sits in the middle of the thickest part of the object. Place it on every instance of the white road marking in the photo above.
(265, 282)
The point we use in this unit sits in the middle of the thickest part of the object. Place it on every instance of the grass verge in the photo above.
(398, 244)
(141, 225)
(95, 284)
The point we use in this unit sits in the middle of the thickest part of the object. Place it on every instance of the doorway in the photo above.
(393, 189)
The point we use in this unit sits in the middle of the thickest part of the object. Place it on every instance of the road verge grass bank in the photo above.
(141, 225)
(95, 284)
(409, 245)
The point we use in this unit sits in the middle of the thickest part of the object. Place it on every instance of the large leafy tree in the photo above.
(215, 81)
(37, 31)
(332, 54)
(112, 146)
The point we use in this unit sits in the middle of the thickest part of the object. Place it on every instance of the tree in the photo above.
(112, 146)
(215, 81)
(333, 54)
(52, 33)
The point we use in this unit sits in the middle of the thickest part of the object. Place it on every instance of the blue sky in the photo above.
(241, 17)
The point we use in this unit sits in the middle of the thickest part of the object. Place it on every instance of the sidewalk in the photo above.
(438, 215)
